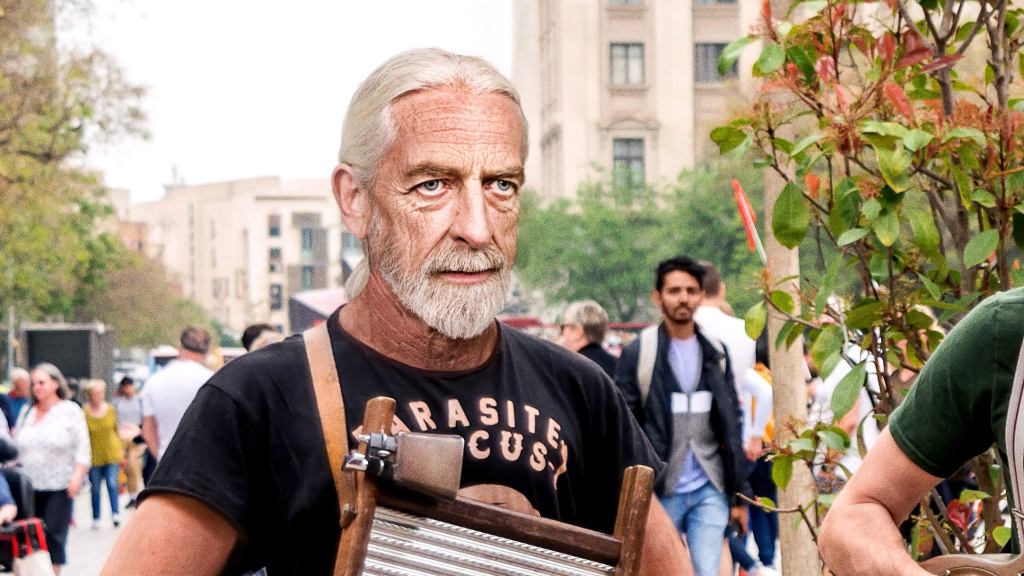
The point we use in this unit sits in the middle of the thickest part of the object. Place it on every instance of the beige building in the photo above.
(241, 248)
(629, 84)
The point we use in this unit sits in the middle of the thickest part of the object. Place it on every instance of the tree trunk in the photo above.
(799, 553)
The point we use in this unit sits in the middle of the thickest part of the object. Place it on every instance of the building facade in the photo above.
(627, 85)
(241, 248)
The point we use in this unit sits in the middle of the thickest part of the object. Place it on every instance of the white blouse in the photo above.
(49, 449)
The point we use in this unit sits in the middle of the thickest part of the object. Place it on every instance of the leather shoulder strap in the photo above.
(645, 366)
(331, 406)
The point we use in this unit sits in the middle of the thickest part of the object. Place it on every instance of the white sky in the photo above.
(239, 89)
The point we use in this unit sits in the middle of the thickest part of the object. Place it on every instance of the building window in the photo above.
(274, 225)
(307, 243)
(706, 64)
(627, 63)
(275, 260)
(275, 297)
(628, 161)
(307, 277)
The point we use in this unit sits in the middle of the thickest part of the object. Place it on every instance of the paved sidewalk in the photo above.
(88, 548)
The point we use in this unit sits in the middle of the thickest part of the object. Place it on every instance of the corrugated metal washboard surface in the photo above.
(405, 545)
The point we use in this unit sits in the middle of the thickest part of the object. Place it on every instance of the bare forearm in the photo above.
(150, 436)
(862, 540)
(664, 552)
(162, 529)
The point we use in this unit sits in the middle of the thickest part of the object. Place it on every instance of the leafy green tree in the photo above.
(606, 242)
(904, 157)
(140, 304)
(55, 103)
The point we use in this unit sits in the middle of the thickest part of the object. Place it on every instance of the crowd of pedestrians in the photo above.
(62, 444)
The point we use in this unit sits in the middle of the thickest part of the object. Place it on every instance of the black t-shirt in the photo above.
(538, 419)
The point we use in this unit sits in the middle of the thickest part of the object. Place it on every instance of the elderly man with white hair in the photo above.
(429, 178)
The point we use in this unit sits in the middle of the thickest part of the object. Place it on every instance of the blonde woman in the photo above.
(101, 419)
(53, 446)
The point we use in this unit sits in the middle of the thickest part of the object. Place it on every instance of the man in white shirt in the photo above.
(169, 392)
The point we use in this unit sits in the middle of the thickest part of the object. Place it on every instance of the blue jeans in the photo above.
(106, 473)
(702, 516)
(764, 525)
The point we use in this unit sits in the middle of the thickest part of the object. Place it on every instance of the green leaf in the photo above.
(917, 139)
(990, 74)
(980, 248)
(797, 55)
(895, 165)
(923, 94)
(967, 496)
(971, 133)
(773, 56)
(782, 300)
(963, 185)
(766, 502)
(790, 217)
(871, 209)
(887, 228)
(804, 143)
(1018, 229)
(828, 342)
(782, 471)
(848, 390)
(851, 236)
(731, 53)
(1001, 534)
(789, 328)
(983, 197)
(865, 314)
(727, 138)
(798, 445)
(883, 128)
(926, 235)
(931, 287)
(834, 440)
(845, 209)
(995, 473)
(754, 320)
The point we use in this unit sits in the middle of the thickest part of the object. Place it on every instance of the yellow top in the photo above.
(106, 445)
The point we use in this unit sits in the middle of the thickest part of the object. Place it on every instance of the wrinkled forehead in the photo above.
(454, 115)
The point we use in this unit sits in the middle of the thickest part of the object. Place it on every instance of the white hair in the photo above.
(369, 128)
(18, 373)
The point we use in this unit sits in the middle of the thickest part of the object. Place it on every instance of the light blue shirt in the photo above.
(685, 359)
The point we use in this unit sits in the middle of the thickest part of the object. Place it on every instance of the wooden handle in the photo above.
(631, 520)
(380, 412)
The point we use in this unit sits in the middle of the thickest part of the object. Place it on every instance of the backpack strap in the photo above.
(1014, 440)
(331, 406)
(645, 366)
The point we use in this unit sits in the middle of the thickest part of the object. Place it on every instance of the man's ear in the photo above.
(656, 298)
(352, 200)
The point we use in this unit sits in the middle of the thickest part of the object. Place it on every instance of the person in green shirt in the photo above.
(955, 411)
(101, 419)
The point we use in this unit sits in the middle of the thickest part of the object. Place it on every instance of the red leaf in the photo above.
(826, 69)
(813, 183)
(915, 57)
(940, 63)
(891, 4)
(899, 100)
(792, 72)
(842, 98)
(888, 47)
(912, 40)
(766, 12)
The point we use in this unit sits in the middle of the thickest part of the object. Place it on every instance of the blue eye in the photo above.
(505, 186)
(431, 187)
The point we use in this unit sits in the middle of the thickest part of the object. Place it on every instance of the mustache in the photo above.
(457, 258)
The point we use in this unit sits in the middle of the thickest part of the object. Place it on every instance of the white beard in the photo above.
(456, 311)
